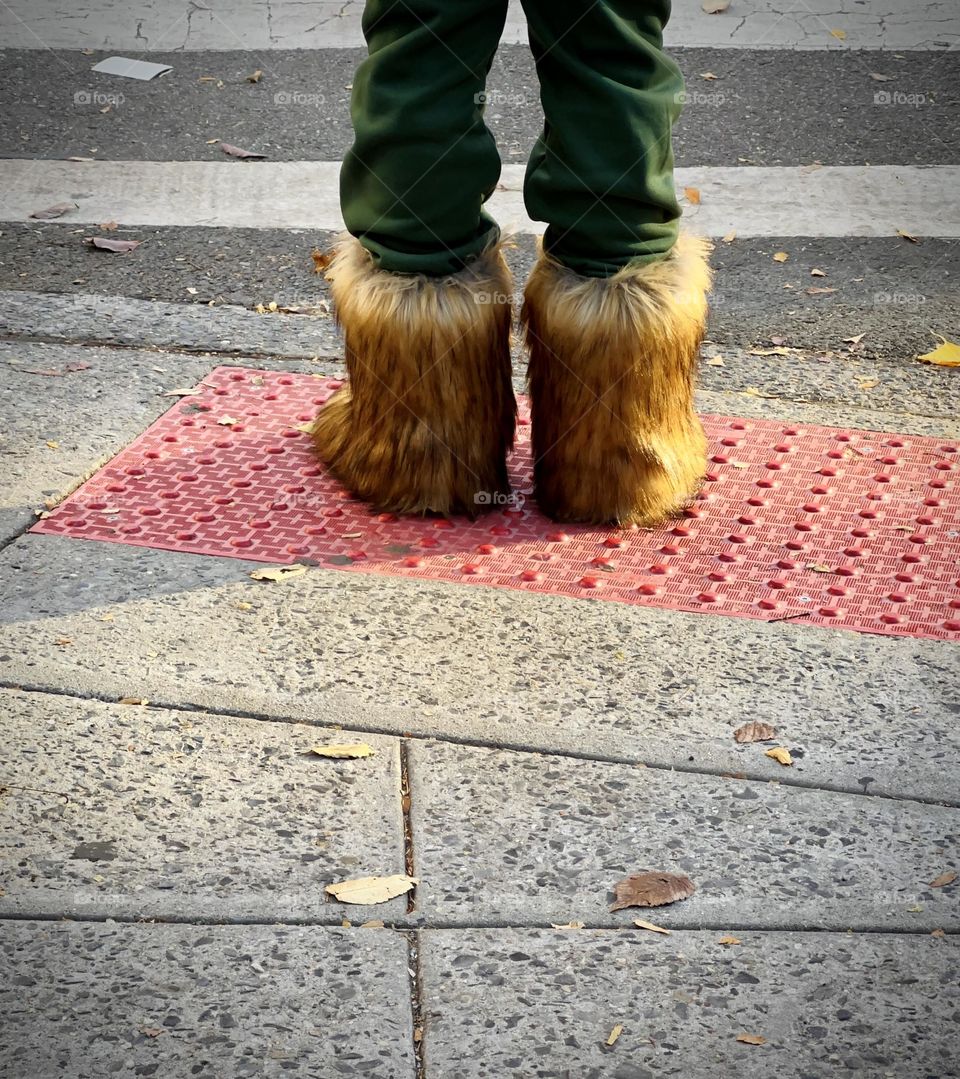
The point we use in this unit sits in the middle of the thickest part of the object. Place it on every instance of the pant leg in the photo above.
(601, 173)
(423, 162)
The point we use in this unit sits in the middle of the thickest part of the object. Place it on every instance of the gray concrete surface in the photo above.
(482, 664)
(142, 813)
(871, 1005)
(180, 1001)
(299, 109)
(517, 839)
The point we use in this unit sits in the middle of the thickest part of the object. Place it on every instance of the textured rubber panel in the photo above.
(849, 529)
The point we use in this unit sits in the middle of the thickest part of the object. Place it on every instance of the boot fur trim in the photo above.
(428, 415)
(611, 376)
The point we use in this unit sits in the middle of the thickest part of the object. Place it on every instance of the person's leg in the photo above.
(615, 308)
(420, 286)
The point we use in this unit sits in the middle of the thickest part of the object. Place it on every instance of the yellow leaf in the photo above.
(819, 567)
(752, 1039)
(907, 236)
(946, 355)
(728, 941)
(306, 428)
(780, 755)
(730, 236)
(242, 606)
(641, 924)
(52, 444)
(781, 256)
(346, 750)
(615, 1033)
(278, 573)
(133, 700)
(227, 421)
(840, 35)
(369, 891)
(693, 195)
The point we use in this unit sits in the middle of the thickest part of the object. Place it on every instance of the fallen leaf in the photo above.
(374, 923)
(241, 606)
(869, 383)
(780, 755)
(754, 732)
(53, 211)
(133, 700)
(346, 750)
(368, 891)
(752, 1039)
(715, 361)
(818, 567)
(278, 573)
(840, 35)
(693, 195)
(730, 236)
(256, 76)
(321, 259)
(651, 889)
(615, 1033)
(236, 151)
(227, 421)
(306, 428)
(185, 391)
(52, 444)
(945, 355)
(854, 340)
(641, 924)
(937, 933)
(105, 244)
(569, 925)
(715, 7)
(907, 236)
(944, 879)
(63, 641)
(108, 226)
(878, 77)
(709, 75)
(817, 273)
(153, 1032)
(728, 942)
(781, 256)
(917, 909)
(752, 391)
(820, 291)
(778, 351)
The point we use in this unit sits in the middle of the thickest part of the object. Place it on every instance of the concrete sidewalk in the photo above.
(529, 751)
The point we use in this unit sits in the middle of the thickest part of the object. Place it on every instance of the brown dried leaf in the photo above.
(780, 755)
(321, 259)
(907, 236)
(368, 891)
(944, 879)
(729, 941)
(105, 244)
(53, 211)
(651, 889)
(752, 1039)
(641, 924)
(153, 1032)
(820, 291)
(693, 195)
(278, 573)
(754, 732)
(236, 151)
(345, 751)
(730, 236)
(569, 925)
(133, 700)
(374, 923)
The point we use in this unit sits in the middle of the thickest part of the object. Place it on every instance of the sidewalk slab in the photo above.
(860, 712)
(508, 838)
(516, 1003)
(138, 812)
(84, 1001)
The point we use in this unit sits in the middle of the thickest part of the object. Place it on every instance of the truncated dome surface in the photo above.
(844, 528)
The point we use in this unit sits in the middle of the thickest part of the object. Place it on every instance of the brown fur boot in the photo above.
(428, 415)
(611, 375)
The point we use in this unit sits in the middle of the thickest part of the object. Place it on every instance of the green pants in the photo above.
(423, 162)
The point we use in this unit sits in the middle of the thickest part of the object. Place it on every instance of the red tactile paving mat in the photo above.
(849, 529)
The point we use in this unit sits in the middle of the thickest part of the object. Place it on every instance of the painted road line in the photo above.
(808, 201)
(144, 25)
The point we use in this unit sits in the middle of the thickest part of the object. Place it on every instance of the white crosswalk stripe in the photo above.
(752, 201)
(140, 25)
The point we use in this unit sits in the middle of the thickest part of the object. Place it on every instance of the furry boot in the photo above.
(428, 415)
(611, 375)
